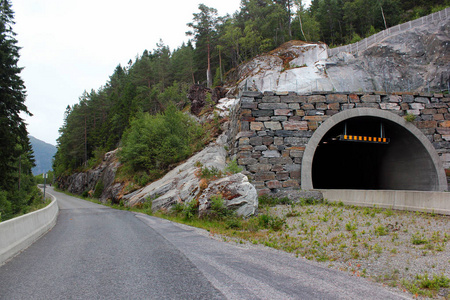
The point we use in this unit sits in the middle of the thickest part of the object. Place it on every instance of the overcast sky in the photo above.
(70, 46)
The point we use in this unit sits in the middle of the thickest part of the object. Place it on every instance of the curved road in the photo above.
(95, 252)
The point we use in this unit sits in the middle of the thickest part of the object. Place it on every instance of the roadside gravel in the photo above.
(394, 248)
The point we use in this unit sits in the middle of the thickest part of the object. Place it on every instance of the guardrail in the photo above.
(371, 40)
(19, 233)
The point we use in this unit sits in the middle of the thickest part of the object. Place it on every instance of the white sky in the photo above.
(70, 46)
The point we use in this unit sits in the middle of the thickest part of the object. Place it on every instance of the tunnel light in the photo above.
(363, 139)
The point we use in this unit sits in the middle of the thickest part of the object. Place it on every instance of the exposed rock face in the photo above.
(78, 183)
(237, 192)
(414, 60)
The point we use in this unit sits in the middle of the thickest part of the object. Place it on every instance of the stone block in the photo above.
(294, 99)
(294, 142)
(244, 141)
(280, 160)
(307, 106)
(443, 130)
(290, 184)
(284, 133)
(438, 117)
(415, 106)
(244, 154)
(436, 105)
(334, 106)
(273, 125)
(422, 100)
(247, 161)
(321, 106)
(256, 126)
(277, 168)
(442, 110)
(271, 153)
(316, 118)
(271, 99)
(444, 124)
(407, 98)
(266, 106)
(256, 141)
(283, 112)
(330, 112)
(260, 148)
(296, 153)
(278, 140)
(264, 176)
(259, 168)
(295, 125)
(446, 137)
(263, 119)
(253, 94)
(300, 113)
(313, 125)
(426, 124)
(273, 184)
(415, 112)
(249, 105)
(404, 106)
(429, 111)
(348, 106)
(279, 118)
(262, 113)
(282, 176)
(390, 106)
(368, 105)
(337, 98)
(295, 174)
(394, 98)
(294, 106)
(316, 99)
(354, 98)
(267, 140)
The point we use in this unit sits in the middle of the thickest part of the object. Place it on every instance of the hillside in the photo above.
(43, 155)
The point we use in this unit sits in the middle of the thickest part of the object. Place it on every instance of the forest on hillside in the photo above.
(140, 92)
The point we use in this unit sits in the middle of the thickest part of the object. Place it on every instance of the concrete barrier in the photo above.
(19, 233)
(437, 202)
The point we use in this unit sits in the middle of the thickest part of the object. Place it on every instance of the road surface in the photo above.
(95, 252)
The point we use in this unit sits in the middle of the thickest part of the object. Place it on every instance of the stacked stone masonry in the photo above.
(271, 130)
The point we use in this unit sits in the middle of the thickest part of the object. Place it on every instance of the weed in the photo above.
(418, 239)
(233, 167)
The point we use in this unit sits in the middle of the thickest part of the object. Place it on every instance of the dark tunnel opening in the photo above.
(401, 164)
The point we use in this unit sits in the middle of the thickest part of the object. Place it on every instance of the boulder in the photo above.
(238, 194)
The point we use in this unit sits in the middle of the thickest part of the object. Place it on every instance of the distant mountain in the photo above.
(43, 154)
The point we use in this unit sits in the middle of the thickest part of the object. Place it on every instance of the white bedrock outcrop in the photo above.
(305, 70)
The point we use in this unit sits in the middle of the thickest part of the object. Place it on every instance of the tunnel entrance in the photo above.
(400, 162)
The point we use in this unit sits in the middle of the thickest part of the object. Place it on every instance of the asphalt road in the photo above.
(95, 252)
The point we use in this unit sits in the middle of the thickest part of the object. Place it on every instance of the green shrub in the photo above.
(154, 142)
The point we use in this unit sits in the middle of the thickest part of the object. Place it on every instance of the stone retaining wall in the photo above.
(270, 131)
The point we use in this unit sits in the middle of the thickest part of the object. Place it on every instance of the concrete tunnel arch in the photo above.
(408, 162)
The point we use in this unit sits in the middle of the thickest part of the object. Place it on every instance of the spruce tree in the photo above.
(14, 141)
